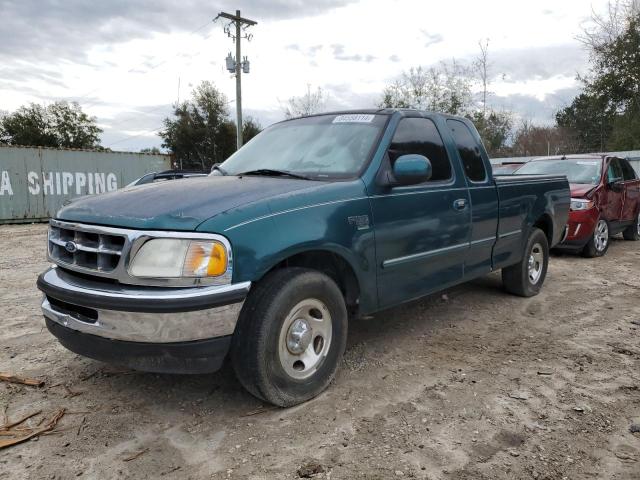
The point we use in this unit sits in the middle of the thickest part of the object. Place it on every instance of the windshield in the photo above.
(320, 147)
(576, 170)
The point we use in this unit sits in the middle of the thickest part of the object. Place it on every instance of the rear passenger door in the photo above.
(484, 199)
(631, 198)
(422, 231)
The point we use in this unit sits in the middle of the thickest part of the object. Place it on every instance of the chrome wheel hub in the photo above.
(535, 263)
(638, 224)
(601, 235)
(305, 338)
(299, 336)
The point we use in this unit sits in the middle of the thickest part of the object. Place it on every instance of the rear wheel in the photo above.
(632, 232)
(526, 277)
(598, 244)
(290, 336)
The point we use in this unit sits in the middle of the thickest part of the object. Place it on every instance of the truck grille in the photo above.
(101, 253)
(90, 250)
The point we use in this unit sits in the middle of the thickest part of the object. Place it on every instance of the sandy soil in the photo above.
(472, 384)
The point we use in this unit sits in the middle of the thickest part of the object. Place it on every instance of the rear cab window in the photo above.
(420, 136)
(469, 151)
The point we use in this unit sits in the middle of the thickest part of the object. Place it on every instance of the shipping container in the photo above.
(35, 182)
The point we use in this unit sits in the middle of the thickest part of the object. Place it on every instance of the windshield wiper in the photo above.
(274, 173)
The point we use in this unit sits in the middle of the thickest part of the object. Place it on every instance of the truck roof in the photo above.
(381, 111)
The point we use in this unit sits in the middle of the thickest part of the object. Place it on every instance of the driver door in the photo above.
(421, 231)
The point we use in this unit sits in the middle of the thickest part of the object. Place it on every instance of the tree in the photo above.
(590, 121)
(532, 140)
(152, 150)
(445, 87)
(308, 104)
(605, 114)
(606, 27)
(494, 128)
(482, 67)
(250, 128)
(200, 132)
(59, 125)
(625, 132)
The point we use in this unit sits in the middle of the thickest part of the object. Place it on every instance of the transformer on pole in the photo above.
(235, 65)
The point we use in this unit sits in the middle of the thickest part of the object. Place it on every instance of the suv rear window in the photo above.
(627, 170)
(614, 172)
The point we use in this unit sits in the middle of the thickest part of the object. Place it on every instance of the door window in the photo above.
(614, 172)
(420, 136)
(469, 151)
(627, 170)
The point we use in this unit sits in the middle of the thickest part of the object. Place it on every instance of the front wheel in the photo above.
(598, 244)
(290, 337)
(526, 277)
(632, 232)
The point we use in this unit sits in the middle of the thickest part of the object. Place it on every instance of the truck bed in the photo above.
(522, 199)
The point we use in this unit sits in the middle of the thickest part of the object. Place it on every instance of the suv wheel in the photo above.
(526, 277)
(632, 232)
(598, 244)
(290, 337)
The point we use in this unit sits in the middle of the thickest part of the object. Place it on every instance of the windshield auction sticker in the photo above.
(354, 118)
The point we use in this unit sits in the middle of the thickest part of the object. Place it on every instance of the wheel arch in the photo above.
(330, 262)
(545, 223)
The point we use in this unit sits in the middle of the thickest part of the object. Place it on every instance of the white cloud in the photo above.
(128, 78)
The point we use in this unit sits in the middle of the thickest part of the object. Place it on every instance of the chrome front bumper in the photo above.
(141, 314)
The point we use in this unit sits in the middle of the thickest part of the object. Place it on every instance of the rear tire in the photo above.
(598, 244)
(527, 276)
(290, 336)
(632, 232)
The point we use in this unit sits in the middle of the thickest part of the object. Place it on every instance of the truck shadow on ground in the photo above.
(369, 338)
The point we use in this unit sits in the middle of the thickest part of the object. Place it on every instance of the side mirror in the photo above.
(411, 169)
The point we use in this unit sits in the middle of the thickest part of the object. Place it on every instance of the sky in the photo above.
(126, 62)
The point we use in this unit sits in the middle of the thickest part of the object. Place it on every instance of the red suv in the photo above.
(605, 199)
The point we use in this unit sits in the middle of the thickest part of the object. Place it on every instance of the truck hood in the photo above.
(177, 204)
(580, 190)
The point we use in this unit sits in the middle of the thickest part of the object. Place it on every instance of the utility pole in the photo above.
(238, 65)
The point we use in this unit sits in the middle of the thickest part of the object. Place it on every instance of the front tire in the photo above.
(290, 337)
(632, 232)
(598, 244)
(526, 277)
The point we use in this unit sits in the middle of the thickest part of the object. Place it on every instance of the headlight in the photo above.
(174, 258)
(581, 204)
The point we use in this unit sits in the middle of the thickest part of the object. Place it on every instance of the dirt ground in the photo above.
(469, 384)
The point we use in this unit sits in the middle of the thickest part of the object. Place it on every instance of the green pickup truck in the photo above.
(316, 220)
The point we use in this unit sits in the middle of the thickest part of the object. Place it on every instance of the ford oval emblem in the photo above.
(71, 247)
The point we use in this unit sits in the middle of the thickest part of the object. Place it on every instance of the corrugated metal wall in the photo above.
(34, 182)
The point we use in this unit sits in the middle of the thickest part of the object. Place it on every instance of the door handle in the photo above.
(460, 204)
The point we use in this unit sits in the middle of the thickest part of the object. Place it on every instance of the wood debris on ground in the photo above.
(258, 411)
(135, 455)
(11, 378)
(19, 435)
